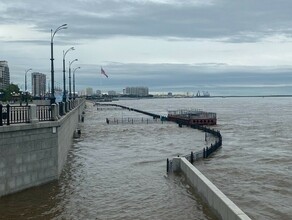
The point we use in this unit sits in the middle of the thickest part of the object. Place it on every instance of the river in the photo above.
(119, 171)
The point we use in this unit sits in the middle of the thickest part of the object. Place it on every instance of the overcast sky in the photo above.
(153, 43)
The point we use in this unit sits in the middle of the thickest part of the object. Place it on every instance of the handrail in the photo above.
(17, 114)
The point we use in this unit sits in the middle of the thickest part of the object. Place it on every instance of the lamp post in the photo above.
(74, 81)
(64, 26)
(25, 85)
(70, 63)
(64, 76)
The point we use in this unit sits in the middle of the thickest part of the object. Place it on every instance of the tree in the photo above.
(6, 94)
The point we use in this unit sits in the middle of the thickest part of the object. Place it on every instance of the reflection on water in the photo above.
(118, 171)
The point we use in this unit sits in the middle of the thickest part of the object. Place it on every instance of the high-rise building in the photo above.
(98, 92)
(4, 75)
(38, 84)
(112, 93)
(89, 91)
(137, 91)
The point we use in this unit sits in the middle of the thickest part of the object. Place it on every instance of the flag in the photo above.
(103, 72)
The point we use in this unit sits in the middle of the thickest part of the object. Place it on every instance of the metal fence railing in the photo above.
(13, 114)
(16, 114)
(128, 120)
(205, 152)
(44, 112)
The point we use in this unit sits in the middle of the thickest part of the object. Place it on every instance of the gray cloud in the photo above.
(226, 21)
(231, 20)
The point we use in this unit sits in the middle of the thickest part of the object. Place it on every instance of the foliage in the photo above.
(8, 93)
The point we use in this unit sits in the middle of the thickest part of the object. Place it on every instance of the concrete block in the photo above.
(18, 159)
(19, 181)
(33, 176)
(176, 164)
(2, 187)
(15, 170)
(2, 164)
(26, 179)
(11, 183)
(41, 174)
(2, 173)
(33, 156)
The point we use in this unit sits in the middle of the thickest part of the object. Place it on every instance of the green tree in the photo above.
(6, 94)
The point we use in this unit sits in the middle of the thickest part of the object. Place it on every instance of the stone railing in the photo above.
(16, 114)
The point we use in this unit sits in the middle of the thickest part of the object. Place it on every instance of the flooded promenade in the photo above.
(119, 171)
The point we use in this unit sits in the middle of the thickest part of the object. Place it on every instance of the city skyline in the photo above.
(154, 43)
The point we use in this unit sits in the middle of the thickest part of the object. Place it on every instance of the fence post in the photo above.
(64, 108)
(58, 110)
(32, 113)
(167, 165)
(8, 114)
(54, 112)
(1, 122)
(192, 157)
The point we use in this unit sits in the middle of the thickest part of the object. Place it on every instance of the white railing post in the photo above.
(54, 112)
(33, 114)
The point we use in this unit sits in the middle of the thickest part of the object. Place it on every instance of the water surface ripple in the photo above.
(118, 171)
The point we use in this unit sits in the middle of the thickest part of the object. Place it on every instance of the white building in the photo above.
(137, 91)
(38, 84)
(4, 75)
(112, 93)
(89, 91)
(98, 93)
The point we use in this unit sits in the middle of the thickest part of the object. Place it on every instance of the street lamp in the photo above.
(25, 85)
(64, 26)
(64, 77)
(70, 63)
(74, 81)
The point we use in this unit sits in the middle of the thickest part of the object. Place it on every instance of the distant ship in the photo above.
(203, 94)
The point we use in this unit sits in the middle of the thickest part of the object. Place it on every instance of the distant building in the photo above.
(112, 93)
(137, 91)
(4, 75)
(38, 84)
(81, 93)
(89, 91)
(98, 93)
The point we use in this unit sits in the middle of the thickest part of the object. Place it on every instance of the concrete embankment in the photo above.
(219, 202)
(35, 153)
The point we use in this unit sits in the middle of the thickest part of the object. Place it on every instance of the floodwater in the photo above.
(119, 171)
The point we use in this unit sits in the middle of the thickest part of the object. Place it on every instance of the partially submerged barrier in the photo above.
(128, 120)
(223, 207)
(203, 153)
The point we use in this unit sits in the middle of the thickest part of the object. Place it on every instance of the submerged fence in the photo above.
(193, 156)
(205, 152)
(128, 120)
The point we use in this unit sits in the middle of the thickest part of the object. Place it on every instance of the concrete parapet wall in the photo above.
(65, 131)
(220, 203)
(35, 153)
